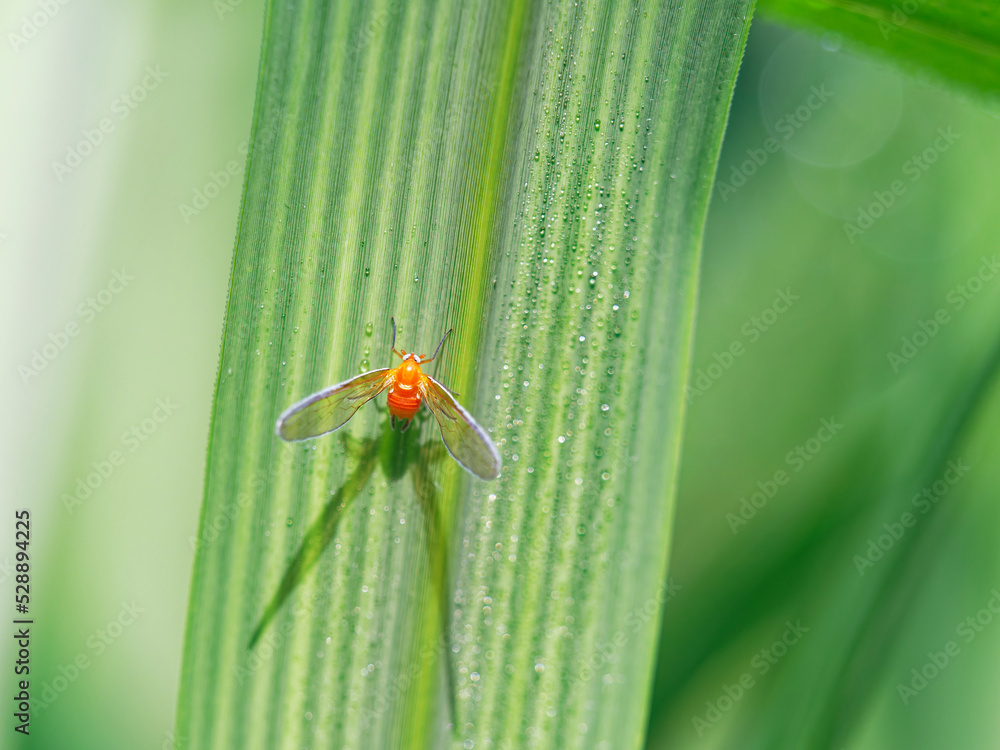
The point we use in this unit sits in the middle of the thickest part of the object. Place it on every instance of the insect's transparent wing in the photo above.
(466, 441)
(326, 410)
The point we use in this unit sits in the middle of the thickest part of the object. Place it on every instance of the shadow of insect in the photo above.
(396, 453)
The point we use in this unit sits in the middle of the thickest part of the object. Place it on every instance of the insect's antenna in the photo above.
(438, 350)
(393, 347)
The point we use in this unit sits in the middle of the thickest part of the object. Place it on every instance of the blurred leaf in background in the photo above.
(886, 334)
(956, 42)
(104, 440)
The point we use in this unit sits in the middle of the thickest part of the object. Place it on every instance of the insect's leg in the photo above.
(406, 425)
(392, 421)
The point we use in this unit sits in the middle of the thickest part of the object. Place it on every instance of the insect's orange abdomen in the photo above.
(404, 391)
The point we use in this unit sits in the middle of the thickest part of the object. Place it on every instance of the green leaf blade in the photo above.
(536, 177)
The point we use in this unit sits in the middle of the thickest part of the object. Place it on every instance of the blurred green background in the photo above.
(796, 322)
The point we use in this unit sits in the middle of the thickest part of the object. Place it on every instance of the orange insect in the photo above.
(330, 408)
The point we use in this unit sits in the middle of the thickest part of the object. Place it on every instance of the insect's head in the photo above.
(405, 356)
(408, 374)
